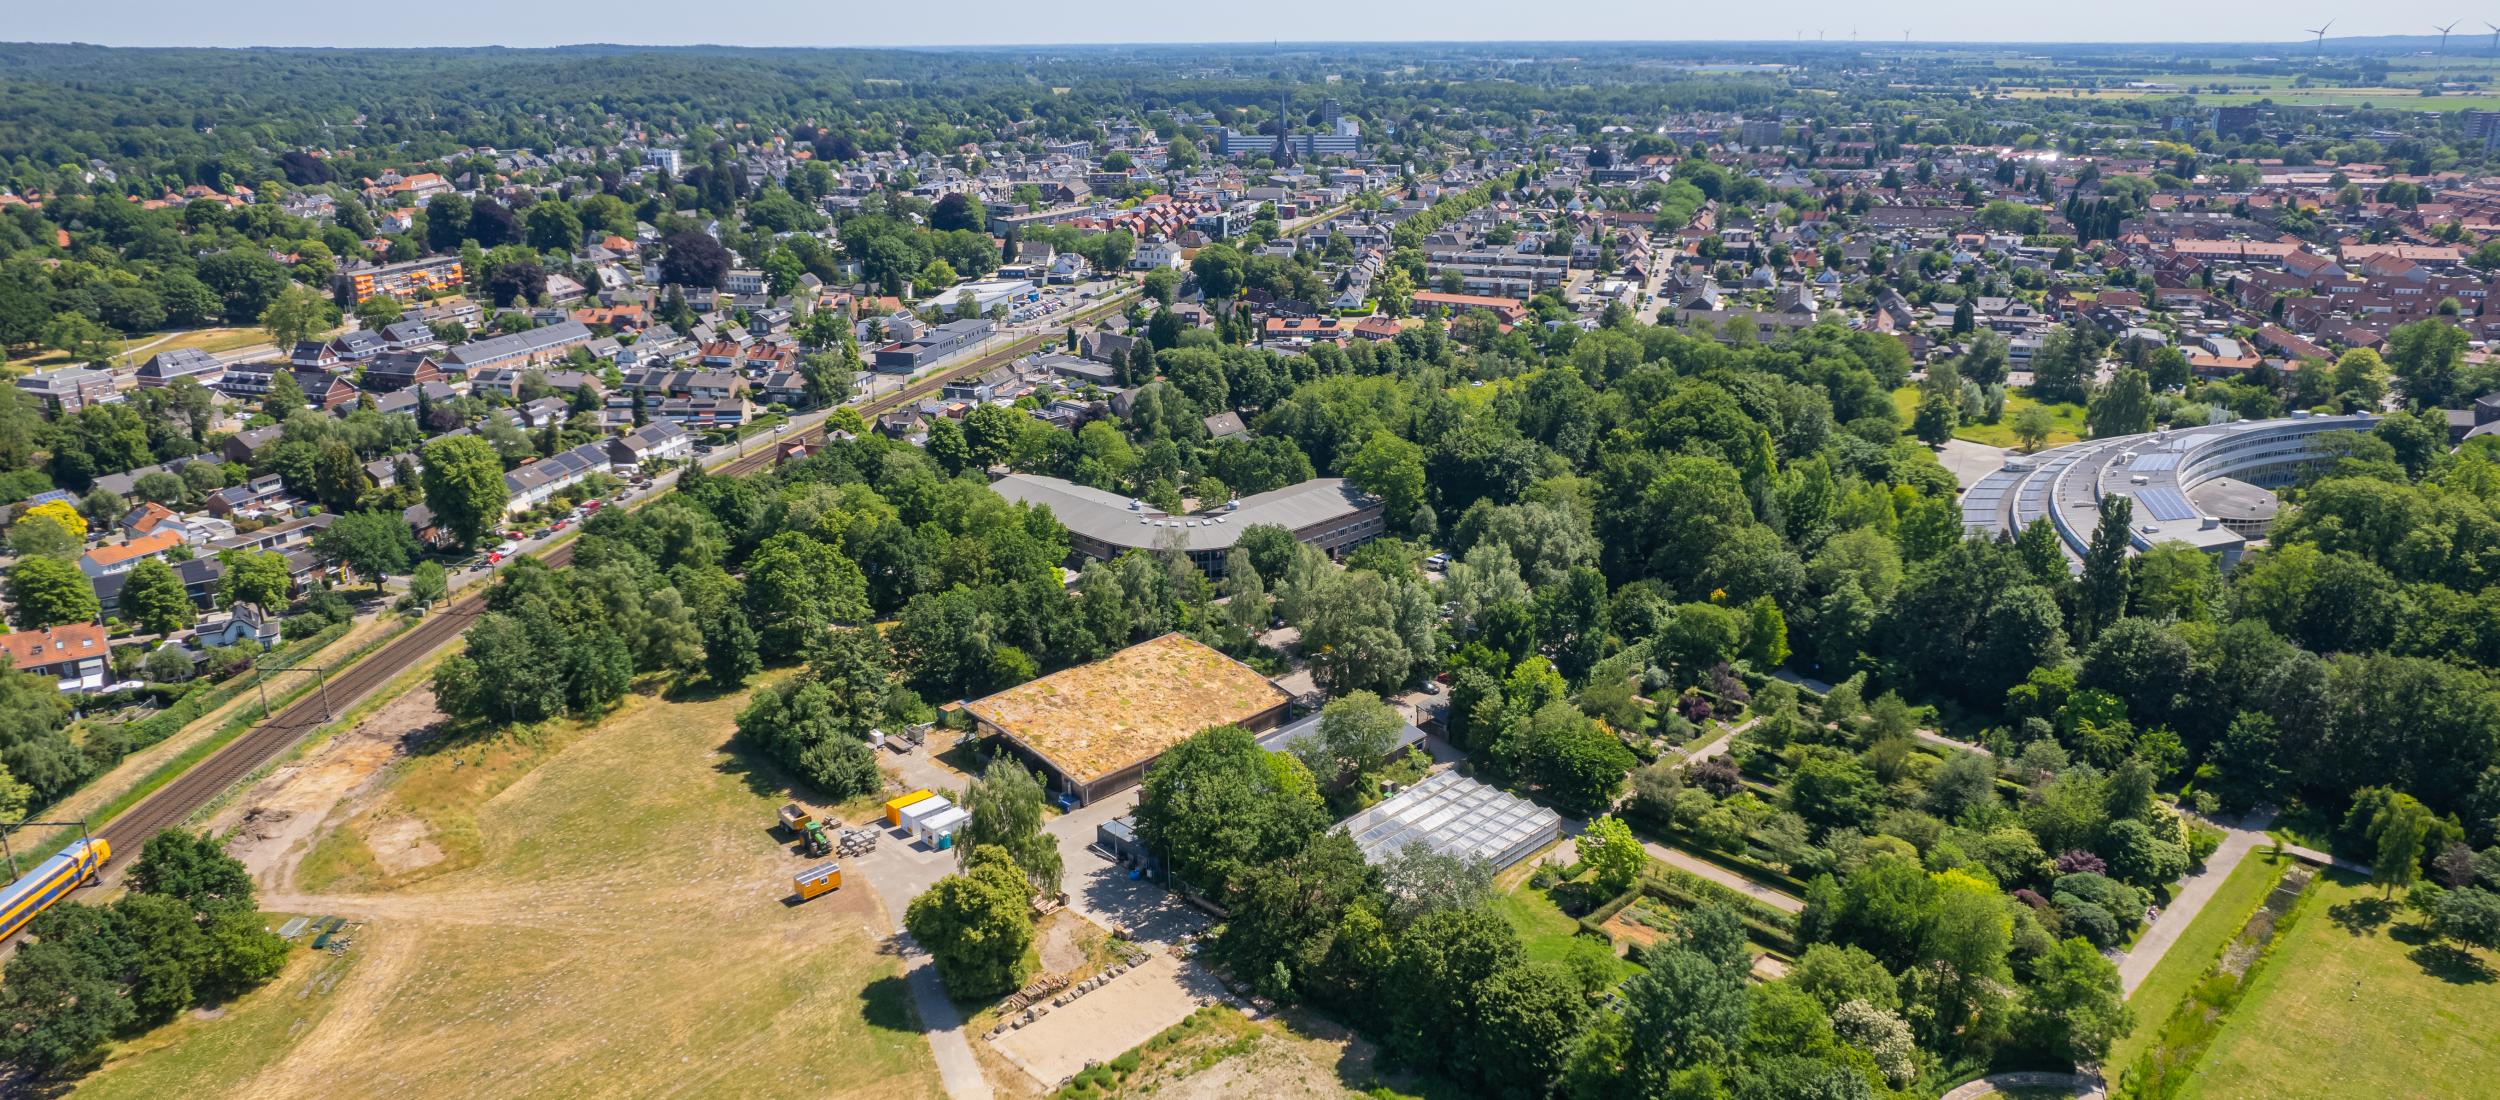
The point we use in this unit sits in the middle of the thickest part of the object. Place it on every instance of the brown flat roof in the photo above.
(1096, 719)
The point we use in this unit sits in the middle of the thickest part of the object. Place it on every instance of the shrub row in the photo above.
(2162, 1071)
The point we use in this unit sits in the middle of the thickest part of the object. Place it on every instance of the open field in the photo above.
(576, 911)
(135, 350)
(2186, 961)
(2358, 1003)
(2068, 420)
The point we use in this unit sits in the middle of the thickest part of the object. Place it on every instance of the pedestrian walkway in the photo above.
(2138, 961)
(1686, 861)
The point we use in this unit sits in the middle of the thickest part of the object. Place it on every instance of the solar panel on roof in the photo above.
(2164, 503)
(2158, 460)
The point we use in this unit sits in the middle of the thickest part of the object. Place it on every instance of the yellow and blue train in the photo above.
(49, 882)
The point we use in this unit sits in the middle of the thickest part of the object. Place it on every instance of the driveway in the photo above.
(1105, 893)
(900, 870)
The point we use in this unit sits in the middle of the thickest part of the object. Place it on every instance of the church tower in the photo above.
(1283, 156)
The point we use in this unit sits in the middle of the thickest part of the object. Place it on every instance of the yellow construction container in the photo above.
(894, 807)
(822, 879)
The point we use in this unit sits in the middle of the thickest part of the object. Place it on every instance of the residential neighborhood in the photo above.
(1758, 566)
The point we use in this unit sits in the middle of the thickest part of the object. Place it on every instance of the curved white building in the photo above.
(2202, 486)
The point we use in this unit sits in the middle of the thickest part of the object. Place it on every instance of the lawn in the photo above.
(137, 349)
(2358, 1003)
(2186, 962)
(2067, 420)
(583, 911)
(1548, 934)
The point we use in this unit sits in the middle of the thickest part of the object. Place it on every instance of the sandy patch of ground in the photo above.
(274, 822)
(402, 844)
(1276, 1067)
(1062, 947)
(1631, 933)
(1217, 1054)
(1102, 1024)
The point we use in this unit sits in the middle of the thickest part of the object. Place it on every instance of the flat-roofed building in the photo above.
(1329, 513)
(1454, 815)
(405, 281)
(1091, 730)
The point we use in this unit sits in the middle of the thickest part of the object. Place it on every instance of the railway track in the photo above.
(176, 801)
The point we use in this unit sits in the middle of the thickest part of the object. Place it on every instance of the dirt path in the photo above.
(1720, 743)
(352, 1025)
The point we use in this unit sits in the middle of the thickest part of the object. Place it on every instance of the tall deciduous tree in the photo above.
(464, 487)
(976, 925)
(1217, 804)
(1006, 807)
(49, 591)
(153, 597)
(2102, 598)
(374, 544)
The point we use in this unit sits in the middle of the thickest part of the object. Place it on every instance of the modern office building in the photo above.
(2209, 487)
(1329, 513)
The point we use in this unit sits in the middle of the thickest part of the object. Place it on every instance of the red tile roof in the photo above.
(28, 649)
(140, 547)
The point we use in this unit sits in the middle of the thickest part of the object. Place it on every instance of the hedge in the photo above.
(1594, 924)
(2192, 1027)
(1734, 863)
(1769, 927)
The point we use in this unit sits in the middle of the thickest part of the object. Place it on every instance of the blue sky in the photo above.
(950, 22)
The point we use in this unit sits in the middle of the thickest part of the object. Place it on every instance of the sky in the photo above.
(1009, 22)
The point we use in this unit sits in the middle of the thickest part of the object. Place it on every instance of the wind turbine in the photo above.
(2495, 36)
(2321, 33)
(2443, 35)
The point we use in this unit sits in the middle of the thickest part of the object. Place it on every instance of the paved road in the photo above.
(958, 1069)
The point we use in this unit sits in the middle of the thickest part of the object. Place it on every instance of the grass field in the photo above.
(1548, 934)
(137, 349)
(2068, 420)
(2358, 1003)
(2185, 964)
(585, 911)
